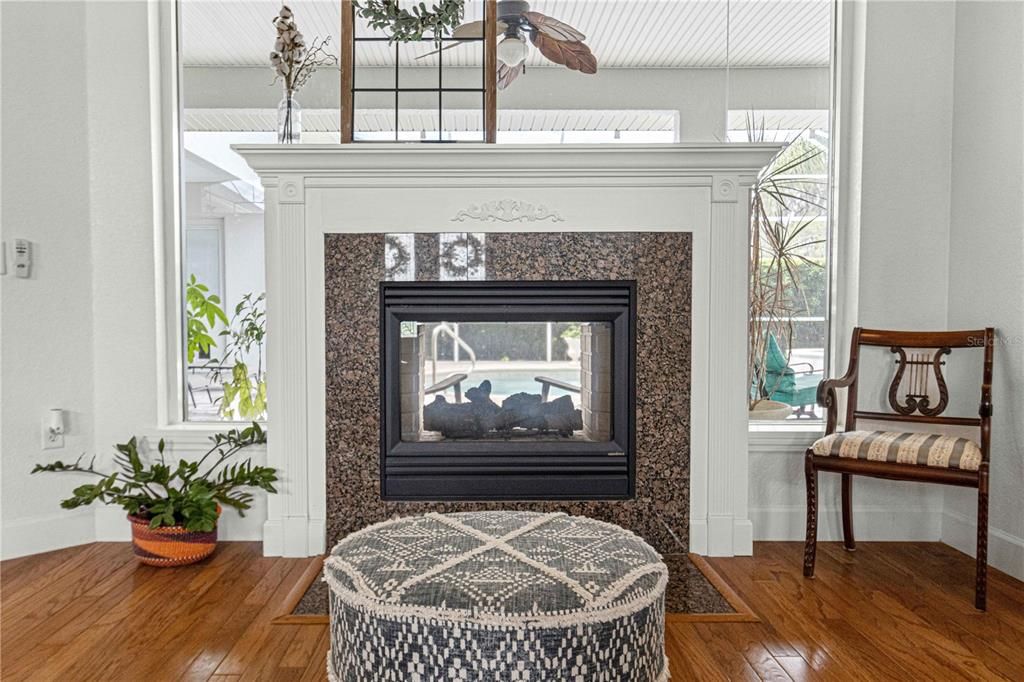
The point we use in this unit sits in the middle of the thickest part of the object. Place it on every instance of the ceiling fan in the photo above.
(557, 41)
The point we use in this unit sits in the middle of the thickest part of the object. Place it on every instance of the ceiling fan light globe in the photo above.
(512, 51)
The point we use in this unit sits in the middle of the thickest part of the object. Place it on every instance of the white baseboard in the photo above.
(789, 524)
(1005, 551)
(722, 536)
(112, 526)
(317, 536)
(294, 537)
(273, 538)
(743, 537)
(698, 536)
(22, 537)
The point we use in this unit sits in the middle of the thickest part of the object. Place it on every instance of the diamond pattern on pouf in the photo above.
(496, 596)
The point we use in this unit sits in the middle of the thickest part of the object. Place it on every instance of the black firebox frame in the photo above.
(509, 470)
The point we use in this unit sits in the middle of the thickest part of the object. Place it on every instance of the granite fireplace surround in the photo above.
(660, 262)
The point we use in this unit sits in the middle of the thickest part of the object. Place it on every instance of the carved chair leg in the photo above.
(981, 570)
(848, 541)
(811, 546)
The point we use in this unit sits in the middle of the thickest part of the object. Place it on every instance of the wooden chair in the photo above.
(905, 456)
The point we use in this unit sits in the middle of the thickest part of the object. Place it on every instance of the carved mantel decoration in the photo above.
(508, 211)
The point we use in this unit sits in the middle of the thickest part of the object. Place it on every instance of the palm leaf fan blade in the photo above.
(573, 55)
(470, 31)
(507, 74)
(559, 30)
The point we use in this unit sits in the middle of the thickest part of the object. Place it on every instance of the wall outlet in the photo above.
(51, 440)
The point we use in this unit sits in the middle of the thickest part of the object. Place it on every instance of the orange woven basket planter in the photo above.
(170, 545)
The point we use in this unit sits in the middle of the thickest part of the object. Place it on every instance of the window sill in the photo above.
(194, 435)
(784, 437)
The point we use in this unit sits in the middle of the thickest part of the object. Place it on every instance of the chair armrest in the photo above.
(827, 397)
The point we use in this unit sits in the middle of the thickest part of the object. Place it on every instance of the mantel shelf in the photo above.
(645, 160)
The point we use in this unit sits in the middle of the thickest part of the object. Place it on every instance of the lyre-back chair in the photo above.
(901, 455)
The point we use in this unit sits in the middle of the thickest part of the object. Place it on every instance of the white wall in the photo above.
(986, 255)
(938, 188)
(935, 166)
(82, 333)
(47, 320)
(901, 182)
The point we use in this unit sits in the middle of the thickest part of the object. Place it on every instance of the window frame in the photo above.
(790, 434)
(169, 145)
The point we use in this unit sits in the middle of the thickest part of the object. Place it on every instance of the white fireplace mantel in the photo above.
(312, 190)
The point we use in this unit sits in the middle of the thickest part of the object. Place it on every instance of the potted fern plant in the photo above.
(174, 508)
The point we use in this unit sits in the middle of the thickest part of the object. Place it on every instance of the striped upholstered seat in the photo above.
(925, 449)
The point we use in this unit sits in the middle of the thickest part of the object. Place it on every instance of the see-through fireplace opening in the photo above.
(507, 390)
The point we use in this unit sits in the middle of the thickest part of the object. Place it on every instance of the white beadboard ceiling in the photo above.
(621, 33)
(455, 120)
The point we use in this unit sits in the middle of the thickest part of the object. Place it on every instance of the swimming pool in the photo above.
(506, 382)
(510, 382)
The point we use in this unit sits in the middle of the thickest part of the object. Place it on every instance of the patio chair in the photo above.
(786, 384)
(547, 382)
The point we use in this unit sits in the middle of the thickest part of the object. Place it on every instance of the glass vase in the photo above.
(289, 121)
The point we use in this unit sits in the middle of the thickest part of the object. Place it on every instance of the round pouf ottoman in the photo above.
(497, 596)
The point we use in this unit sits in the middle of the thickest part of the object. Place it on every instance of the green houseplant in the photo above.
(202, 312)
(245, 389)
(174, 508)
(786, 201)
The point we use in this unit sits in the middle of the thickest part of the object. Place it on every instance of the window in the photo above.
(789, 272)
(690, 70)
(223, 280)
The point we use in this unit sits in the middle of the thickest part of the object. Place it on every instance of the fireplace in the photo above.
(672, 218)
(503, 390)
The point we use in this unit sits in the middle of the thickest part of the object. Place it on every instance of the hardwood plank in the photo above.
(302, 648)
(989, 638)
(216, 647)
(212, 622)
(687, 657)
(135, 620)
(16, 572)
(317, 665)
(907, 639)
(753, 654)
(251, 649)
(816, 627)
(890, 611)
(313, 571)
(72, 616)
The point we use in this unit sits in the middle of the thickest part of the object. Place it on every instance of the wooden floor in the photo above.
(900, 611)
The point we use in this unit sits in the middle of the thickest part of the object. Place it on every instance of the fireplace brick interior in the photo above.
(659, 263)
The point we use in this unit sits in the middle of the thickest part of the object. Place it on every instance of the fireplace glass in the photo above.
(507, 390)
(506, 381)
